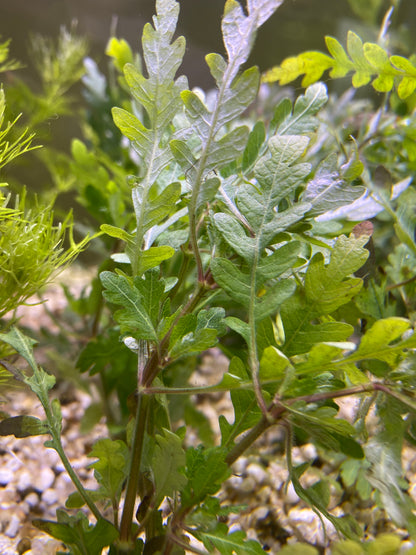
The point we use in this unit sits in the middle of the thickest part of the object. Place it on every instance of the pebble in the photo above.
(6, 476)
(44, 479)
(25, 481)
(291, 496)
(258, 473)
(13, 527)
(49, 496)
(32, 499)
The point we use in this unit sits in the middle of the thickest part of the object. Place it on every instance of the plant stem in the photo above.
(57, 445)
(133, 479)
(252, 350)
(277, 410)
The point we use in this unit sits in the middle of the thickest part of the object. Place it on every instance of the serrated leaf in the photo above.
(227, 149)
(232, 280)
(274, 297)
(328, 190)
(76, 501)
(331, 433)
(376, 342)
(303, 119)
(111, 468)
(194, 342)
(205, 471)
(326, 288)
(133, 318)
(368, 61)
(23, 426)
(235, 235)
(168, 462)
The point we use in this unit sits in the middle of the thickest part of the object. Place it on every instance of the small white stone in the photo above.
(44, 479)
(6, 476)
(32, 499)
(290, 495)
(248, 485)
(25, 481)
(49, 496)
(234, 482)
(257, 472)
(240, 465)
(260, 513)
(13, 527)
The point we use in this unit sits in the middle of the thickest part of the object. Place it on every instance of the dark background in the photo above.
(296, 26)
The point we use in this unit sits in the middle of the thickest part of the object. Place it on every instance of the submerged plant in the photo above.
(232, 235)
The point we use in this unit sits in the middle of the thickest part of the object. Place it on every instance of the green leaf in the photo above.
(40, 383)
(120, 51)
(347, 525)
(116, 232)
(368, 61)
(376, 343)
(328, 190)
(274, 365)
(23, 426)
(234, 234)
(133, 318)
(246, 410)
(326, 288)
(152, 258)
(201, 340)
(205, 471)
(76, 531)
(303, 118)
(281, 260)
(254, 144)
(386, 473)
(229, 544)
(168, 464)
(111, 468)
(22, 344)
(213, 318)
(232, 280)
(331, 433)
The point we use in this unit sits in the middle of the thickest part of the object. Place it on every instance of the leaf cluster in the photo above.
(367, 61)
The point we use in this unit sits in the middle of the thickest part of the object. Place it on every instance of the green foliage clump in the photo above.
(367, 61)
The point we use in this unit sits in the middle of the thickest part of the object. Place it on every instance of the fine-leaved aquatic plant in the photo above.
(232, 229)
